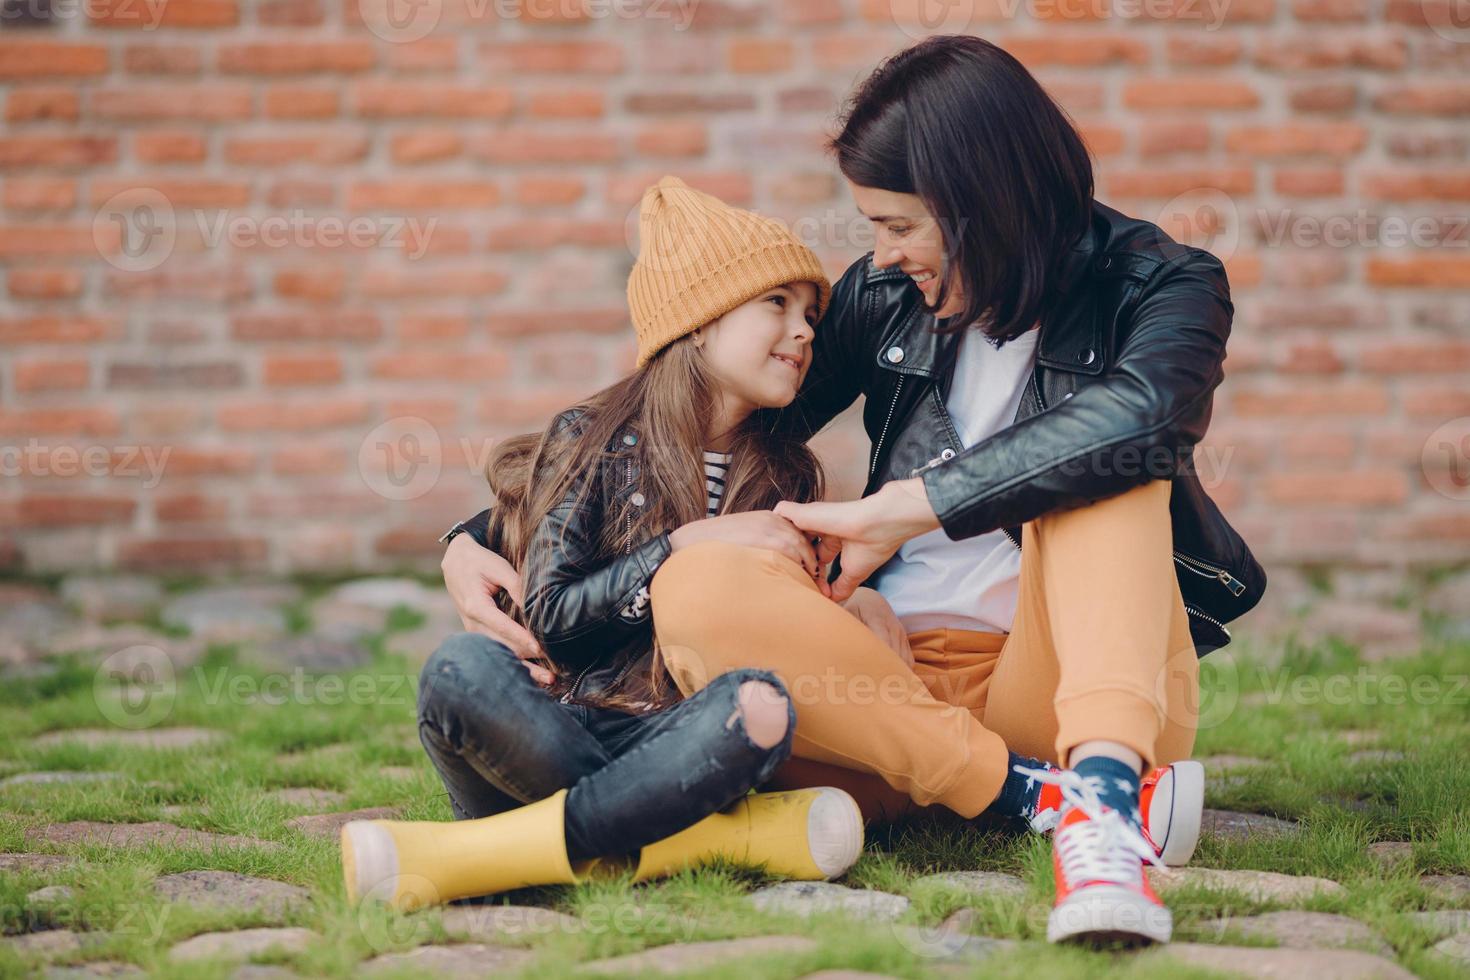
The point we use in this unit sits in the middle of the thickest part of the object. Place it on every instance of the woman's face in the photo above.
(759, 352)
(909, 237)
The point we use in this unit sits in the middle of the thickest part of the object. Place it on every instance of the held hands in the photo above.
(755, 529)
(865, 532)
(474, 575)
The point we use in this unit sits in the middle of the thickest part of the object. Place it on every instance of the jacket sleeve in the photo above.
(579, 608)
(837, 372)
(478, 527)
(1137, 422)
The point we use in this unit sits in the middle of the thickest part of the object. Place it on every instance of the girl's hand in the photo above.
(473, 576)
(877, 615)
(755, 529)
(870, 530)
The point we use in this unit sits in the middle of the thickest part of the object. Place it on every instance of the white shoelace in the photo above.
(1105, 847)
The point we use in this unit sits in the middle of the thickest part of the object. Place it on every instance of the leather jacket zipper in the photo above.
(1205, 569)
(1207, 618)
(627, 550)
(878, 447)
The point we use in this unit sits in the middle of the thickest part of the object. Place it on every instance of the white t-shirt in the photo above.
(933, 582)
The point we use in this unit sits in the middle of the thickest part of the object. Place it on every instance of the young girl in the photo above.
(610, 761)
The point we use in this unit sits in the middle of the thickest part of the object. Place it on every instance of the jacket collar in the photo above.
(1071, 337)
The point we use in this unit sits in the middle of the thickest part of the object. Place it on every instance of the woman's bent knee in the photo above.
(462, 661)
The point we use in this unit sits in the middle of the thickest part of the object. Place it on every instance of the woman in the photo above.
(1037, 369)
(682, 451)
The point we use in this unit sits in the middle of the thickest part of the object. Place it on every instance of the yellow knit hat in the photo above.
(699, 258)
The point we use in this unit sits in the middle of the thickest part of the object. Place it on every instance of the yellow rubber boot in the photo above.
(413, 864)
(808, 834)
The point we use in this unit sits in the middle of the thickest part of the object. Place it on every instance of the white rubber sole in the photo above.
(1102, 914)
(1176, 810)
(372, 857)
(834, 827)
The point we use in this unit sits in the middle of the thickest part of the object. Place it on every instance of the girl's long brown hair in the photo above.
(668, 403)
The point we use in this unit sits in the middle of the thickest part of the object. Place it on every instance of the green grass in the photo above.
(1254, 706)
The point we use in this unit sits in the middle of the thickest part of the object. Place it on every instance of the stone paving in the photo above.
(90, 614)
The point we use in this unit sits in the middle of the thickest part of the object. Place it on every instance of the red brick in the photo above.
(1091, 51)
(533, 146)
(31, 241)
(303, 369)
(421, 365)
(520, 323)
(428, 54)
(1168, 138)
(51, 375)
(153, 377)
(426, 145)
(551, 57)
(673, 139)
(169, 146)
(732, 188)
(1426, 355)
(324, 285)
(309, 460)
(198, 103)
(296, 416)
(60, 421)
(190, 508)
(760, 56)
(1300, 139)
(329, 150)
(1190, 93)
(1330, 11)
(1323, 97)
(1303, 52)
(51, 329)
(44, 283)
(338, 326)
(298, 58)
(1360, 487)
(1196, 51)
(543, 233)
(1308, 182)
(437, 283)
(175, 13)
(1411, 185)
(42, 105)
(1347, 399)
(73, 510)
(291, 13)
(162, 59)
(523, 410)
(1434, 271)
(57, 151)
(1162, 183)
(704, 103)
(26, 59)
(181, 192)
(1425, 99)
(549, 191)
(39, 194)
(808, 13)
(566, 104)
(421, 194)
(1102, 141)
(193, 460)
(191, 554)
(429, 328)
(301, 103)
(420, 101)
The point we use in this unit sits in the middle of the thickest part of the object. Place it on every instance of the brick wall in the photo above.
(253, 251)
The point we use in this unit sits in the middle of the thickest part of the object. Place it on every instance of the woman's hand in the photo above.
(865, 532)
(755, 529)
(877, 615)
(474, 576)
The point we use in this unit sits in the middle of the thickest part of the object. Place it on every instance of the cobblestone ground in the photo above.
(175, 762)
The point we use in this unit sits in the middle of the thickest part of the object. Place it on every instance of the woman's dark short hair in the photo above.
(962, 124)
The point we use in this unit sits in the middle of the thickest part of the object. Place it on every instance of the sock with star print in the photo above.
(1117, 785)
(1020, 795)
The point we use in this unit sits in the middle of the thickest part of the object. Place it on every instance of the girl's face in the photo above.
(759, 352)
(909, 237)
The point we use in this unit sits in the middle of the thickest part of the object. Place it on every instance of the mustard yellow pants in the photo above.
(1100, 649)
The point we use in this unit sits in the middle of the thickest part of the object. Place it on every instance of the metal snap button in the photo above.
(1087, 355)
(947, 454)
(895, 354)
(637, 500)
(630, 440)
(1068, 395)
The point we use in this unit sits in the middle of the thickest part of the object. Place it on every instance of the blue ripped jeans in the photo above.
(500, 741)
